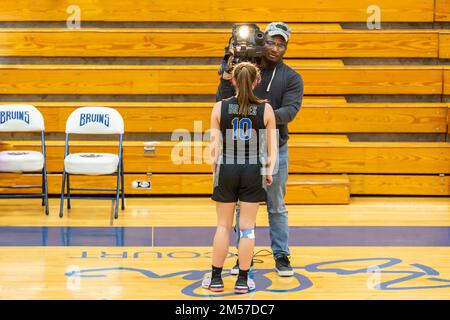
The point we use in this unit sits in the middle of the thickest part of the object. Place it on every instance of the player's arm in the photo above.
(215, 137)
(271, 138)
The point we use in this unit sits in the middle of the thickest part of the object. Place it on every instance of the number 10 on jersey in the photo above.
(242, 129)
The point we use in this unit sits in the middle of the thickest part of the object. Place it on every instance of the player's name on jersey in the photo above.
(234, 109)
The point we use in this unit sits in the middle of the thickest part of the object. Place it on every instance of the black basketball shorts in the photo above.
(244, 182)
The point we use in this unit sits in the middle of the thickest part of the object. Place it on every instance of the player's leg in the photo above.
(251, 193)
(235, 269)
(225, 214)
(247, 233)
(246, 245)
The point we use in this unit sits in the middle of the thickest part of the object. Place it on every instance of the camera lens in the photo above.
(260, 35)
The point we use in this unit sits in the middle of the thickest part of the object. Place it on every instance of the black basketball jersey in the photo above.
(243, 136)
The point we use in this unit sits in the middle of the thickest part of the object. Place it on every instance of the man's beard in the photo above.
(268, 64)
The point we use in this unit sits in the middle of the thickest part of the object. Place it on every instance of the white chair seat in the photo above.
(91, 163)
(21, 161)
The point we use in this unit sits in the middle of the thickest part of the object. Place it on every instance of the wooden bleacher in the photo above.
(446, 81)
(4, 146)
(429, 185)
(320, 115)
(181, 184)
(444, 45)
(325, 155)
(313, 41)
(300, 189)
(328, 163)
(324, 78)
(217, 10)
(448, 122)
(442, 13)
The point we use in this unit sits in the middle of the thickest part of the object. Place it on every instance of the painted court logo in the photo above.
(86, 118)
(397, 276)
(6, 116)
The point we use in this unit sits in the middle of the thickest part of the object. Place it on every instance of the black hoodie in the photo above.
(282, 87)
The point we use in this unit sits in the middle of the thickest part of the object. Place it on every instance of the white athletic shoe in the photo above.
(235, 270)
(251, 285)
(215, 285)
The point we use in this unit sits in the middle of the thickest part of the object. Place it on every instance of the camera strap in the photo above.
(273, 75)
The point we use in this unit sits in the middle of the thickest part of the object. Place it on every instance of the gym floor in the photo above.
(160, 248)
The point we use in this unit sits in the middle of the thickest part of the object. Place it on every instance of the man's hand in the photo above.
(269, 180)
(228, 75)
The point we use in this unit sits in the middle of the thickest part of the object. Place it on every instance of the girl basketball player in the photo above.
(244, 149)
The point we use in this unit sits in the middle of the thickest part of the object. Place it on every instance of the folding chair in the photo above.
(94, 121)
(24, 118)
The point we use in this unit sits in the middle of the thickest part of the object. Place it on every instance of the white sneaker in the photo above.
(215, 285)
(251, 285)
(206, 281)
(235, 270)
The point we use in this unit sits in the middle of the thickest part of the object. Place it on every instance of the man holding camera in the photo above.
(283, 87)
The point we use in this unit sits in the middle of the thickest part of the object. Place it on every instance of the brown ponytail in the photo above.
(245, 73)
